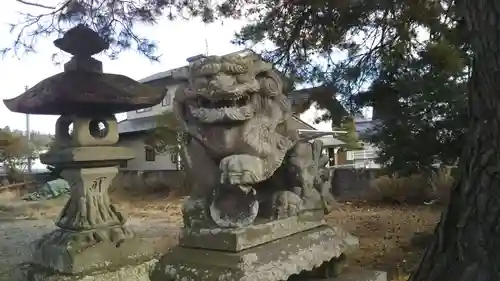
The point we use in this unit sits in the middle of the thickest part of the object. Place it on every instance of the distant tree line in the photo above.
(16, 149)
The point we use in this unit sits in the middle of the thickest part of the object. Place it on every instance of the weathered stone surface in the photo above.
(134, 272)
(274, 261)
(62, 256)
(82, 89)
(329, 269)
(92, 235)
(76, 92)
(86, 155)
(87, 131)
(86, 63)
(92, 232)
(71, 42)
(235, 108)
(143, 272)
(237, 239)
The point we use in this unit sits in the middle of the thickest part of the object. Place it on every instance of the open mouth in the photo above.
(224, 108)
(237, 101)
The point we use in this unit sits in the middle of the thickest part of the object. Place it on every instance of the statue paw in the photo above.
(241, 170)
(286, 204)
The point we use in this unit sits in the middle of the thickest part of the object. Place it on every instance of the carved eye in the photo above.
(269, 86)
(243, 78)
(201, 82)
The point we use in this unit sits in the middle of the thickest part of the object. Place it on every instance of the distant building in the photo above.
(365, 158)
(134, 130)
(303, 99)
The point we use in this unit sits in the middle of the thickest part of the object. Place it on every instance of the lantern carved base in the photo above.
(92, 234)
(137, 272)
(69, 252)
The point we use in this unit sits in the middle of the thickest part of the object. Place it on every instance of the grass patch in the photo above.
(384, 230)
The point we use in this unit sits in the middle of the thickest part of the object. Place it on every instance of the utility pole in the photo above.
(28, 134)
(206, 45)
(206, 32)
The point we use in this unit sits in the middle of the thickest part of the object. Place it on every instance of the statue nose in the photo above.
(223, 81)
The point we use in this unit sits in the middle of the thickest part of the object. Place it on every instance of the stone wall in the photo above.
(154, 180)
(350, 184)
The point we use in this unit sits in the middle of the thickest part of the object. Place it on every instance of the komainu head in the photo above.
(231, 88)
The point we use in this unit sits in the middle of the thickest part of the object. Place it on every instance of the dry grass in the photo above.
(155, 205)
(413, 189)
(394, 188)
(384, 230)
(13, 208)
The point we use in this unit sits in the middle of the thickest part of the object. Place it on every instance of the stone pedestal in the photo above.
(238, 239)
(318, 250)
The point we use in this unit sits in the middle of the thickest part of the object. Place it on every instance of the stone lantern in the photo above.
(91, 234)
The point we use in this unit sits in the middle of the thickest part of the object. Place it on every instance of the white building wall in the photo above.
(364, 158)
(166, 104)
(162, 161)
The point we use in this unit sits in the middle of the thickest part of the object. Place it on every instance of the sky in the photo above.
(177, 40)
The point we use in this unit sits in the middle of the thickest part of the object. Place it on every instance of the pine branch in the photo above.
(35, 4)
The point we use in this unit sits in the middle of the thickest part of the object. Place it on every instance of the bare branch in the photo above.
(35, 4)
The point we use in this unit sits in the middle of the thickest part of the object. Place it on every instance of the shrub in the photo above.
(396, 189)
(418, 188)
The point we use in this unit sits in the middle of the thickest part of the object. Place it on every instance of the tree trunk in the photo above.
(466, 243)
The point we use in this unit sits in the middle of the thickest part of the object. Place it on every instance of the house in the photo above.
(366, 157)
(134, 130)
(302, 100)
(340, 156)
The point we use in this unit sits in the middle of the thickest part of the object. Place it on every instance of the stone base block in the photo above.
(273, 261)
(63, 251)
(235, 240)
(137, 272)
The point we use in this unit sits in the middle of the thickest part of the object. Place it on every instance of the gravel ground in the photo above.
(19, 227)
(384, 231)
